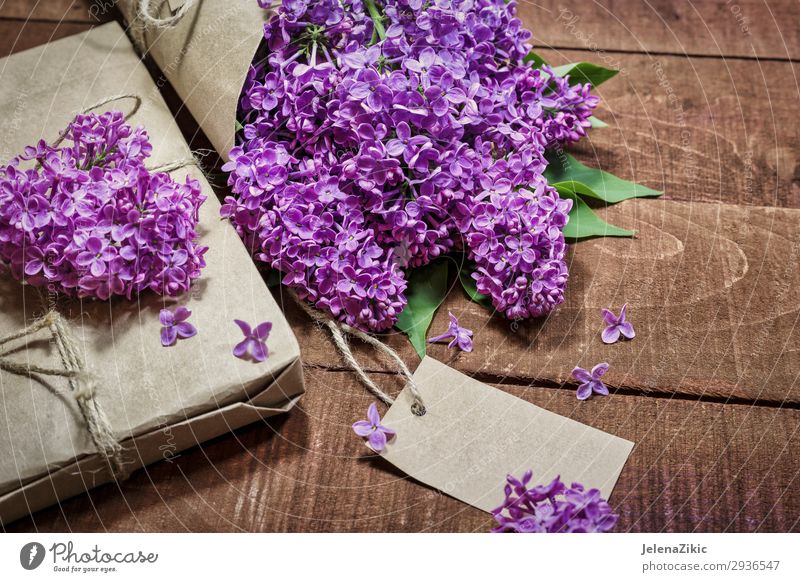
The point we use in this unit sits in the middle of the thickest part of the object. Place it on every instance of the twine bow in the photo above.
(339, 331)
(81, 383)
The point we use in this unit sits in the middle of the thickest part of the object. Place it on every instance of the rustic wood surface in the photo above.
(715, 126)
(766, 29)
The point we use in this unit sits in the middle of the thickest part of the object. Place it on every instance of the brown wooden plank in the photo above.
(745, 28)
(697, 466)
(696, 278)
(16, 37)
(714, 27)
(699, 129)
(90, 11)
(700, 132)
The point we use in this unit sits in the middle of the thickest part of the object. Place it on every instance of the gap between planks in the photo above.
(680, 55)
(489, 378)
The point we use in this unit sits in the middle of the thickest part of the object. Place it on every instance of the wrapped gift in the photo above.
(147, 401)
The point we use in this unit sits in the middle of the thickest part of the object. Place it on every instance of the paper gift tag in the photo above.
(473, 435)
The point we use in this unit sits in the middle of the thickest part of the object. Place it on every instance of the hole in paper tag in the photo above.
(473, 435)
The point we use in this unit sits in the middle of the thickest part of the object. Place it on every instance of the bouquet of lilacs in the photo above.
(378, 135)
(86, 218)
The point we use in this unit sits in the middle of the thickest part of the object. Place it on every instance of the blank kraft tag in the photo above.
(473, 435)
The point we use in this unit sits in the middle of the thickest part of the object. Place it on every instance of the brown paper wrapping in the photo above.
(206, 57)
(158, 400)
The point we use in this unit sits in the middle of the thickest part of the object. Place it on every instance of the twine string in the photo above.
(168, 22)
(81, 383)
(339, 331)
(146, 20)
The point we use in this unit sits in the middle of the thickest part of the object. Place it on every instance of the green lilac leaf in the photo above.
(584, 223)
(239, 126)
(471, 287)
(534, 60)
(597, 123)
(427, 287)
(565, 172)
(584, 72)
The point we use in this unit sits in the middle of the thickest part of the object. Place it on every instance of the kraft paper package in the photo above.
(205, 56)
(156, 400)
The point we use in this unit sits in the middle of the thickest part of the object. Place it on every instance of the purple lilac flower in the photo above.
(370, 150)
(376, 434)
(87, 218)
(254, 344)
(175, 325)
(552, 508)
(460, 336)
(590, 381)
(617, 326)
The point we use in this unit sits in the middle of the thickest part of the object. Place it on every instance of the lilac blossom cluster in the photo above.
(88, 219)
(380, 134)
(552, 508)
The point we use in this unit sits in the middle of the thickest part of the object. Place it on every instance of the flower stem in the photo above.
(377, 18)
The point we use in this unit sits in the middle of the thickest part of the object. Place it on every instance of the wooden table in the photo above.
(710, 79)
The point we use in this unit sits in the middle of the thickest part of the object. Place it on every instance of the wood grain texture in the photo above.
(695, 279)
(696, 466)
(16, 37)
(743, 28)
(698, 129)
(89, 11)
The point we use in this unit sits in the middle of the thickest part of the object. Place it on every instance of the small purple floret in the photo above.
(459, 336)
(376, 434)
(617, 326)
(175, 325)
(590, 381)
(254, 345)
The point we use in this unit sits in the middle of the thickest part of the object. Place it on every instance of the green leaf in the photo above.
(471, 288)
(584, 72)
(427, 287)
(584, 223)
(597, 123)
(565, 172)
(534, 60)
(239, 126)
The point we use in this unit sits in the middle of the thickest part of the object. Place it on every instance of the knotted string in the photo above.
(146, 20)
(168, 22)
(82, 384)
(338, 331)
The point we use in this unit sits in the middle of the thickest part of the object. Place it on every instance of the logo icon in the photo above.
(31, 555)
